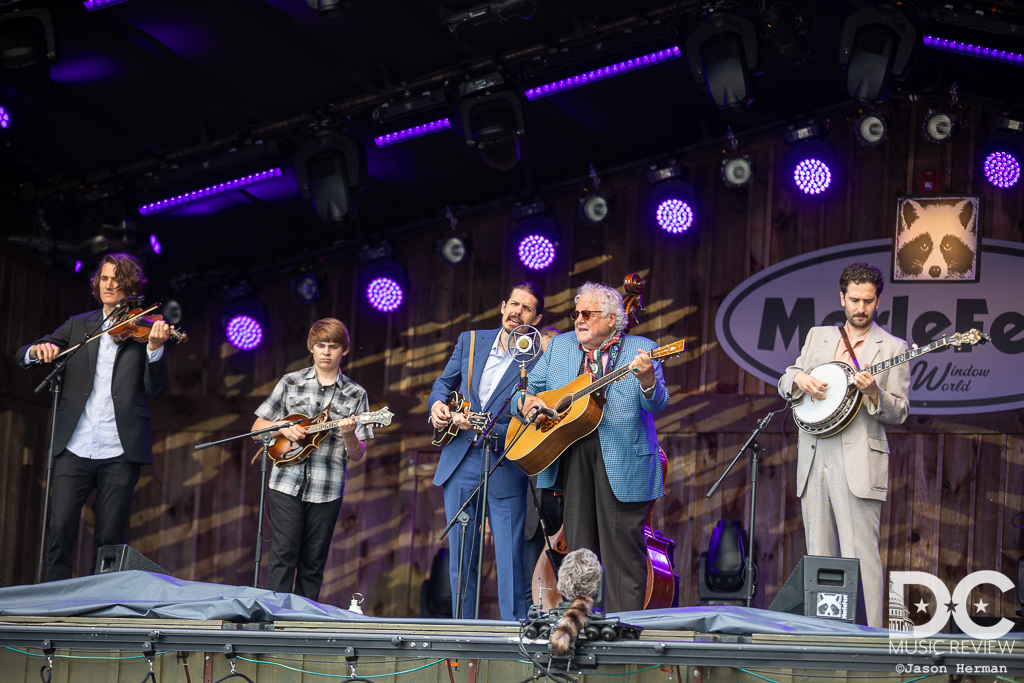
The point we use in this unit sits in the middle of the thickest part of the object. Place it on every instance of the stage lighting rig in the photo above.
(536, 238)
(306, 288)
(492, 10)
(877, 46)
(595, 205)
(811, 161)
(27, 49)
(330, 169)
(870, 129)
(724, 54)
(454, 247)
(938, 126)
(412, 117)
(329, 9)
(243, 318)
(491, 116)
(672, 201)
(1002, 152)
(737, 169)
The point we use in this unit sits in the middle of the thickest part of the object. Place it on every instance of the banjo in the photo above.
(843, 399)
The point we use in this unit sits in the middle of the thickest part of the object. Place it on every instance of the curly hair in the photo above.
(609, 299)
(127, 271)
(859, 273)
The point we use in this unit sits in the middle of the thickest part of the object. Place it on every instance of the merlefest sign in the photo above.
(763, 322)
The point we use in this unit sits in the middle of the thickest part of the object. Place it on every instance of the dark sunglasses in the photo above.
(587, 315)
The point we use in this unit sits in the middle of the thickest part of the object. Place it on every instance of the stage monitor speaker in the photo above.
(825, 587)
(122, 558)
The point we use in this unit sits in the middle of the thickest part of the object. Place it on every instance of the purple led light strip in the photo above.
(604, 72)
(413, 132)
(210, 191)
(974, 50)
(93, 5)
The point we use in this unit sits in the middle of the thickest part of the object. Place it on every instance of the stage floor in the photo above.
(274, 637)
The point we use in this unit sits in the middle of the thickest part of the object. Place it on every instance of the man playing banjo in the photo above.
(843, 478)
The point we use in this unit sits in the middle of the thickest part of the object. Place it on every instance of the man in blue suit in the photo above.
(494, 378)
(611, 475)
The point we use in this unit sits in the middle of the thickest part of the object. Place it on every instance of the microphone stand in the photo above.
(755, 449)
(463, 518)
(265, 462)
(55, 381)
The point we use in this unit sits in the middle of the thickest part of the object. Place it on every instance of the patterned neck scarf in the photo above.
(595, 362)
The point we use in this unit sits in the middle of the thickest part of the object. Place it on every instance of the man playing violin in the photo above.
(611, 475)
(304, 499)
(102, 433)
(482, 370)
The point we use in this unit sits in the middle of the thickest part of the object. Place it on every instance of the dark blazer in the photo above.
(507, 480)
(133, 378)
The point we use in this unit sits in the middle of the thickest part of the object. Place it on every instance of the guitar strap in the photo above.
(472, 360)
(849, 347)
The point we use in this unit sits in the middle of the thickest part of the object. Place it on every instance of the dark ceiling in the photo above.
(145, 85)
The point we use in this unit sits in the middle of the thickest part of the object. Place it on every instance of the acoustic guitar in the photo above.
(579, 411)
(842, 398)
(456, 404)
(283, 452)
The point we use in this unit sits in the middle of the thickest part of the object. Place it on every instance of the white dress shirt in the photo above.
(497, 362)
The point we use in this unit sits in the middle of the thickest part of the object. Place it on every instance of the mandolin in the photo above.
(283, 452)
(457, 403)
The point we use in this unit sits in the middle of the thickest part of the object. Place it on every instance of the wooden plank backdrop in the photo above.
(956, 483)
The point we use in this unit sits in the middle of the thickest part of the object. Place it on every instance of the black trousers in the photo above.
(74, 478)
(301, 540)
(596, 519)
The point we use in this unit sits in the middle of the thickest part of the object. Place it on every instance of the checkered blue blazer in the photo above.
(629, 441)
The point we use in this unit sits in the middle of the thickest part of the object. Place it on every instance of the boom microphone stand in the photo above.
(755, 448)
(265, 462)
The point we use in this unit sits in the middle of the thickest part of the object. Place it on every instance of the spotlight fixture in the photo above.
(172, 312)
(811, 160)
(604, 72)
(244, 320)
(328, 9)
(972, 50)
(5, 118)
(78, 266)
(724, 54)
(453, 249)
(737, 170)
(106, 228)
(672, 201)
(154, 245)
(870, 129)
(27, 49)
(459, 18)
(938, 126)
(384, 283)
(491, 116)
(536, 241)
(876, 47)
(254, 163)
(410, 118)
(330, 168)
(306, 288)
(93, 5)
(1002, 155)
(595, 206)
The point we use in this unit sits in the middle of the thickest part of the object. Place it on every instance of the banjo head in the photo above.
(826, 417)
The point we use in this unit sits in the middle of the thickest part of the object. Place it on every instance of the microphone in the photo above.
(524, 344)
(128, 300)
(550, 412)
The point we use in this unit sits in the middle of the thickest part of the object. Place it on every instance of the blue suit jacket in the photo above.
(508, 480)
(629, 441)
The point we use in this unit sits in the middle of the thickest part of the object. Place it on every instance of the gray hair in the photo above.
(609, 299)
(580, 575)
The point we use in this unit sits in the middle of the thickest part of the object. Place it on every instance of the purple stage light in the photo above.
(959, 47)
(812, 176)
(413, 132)
(154, 243)
(602, 73)
(244, 332)
(674, 215)
(1002, 169)
(536, 252)
(93, 5)
(209, 191)
(5, 118)
(78, 266)
(384, 294)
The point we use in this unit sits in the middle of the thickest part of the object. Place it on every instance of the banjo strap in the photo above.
(849, 347)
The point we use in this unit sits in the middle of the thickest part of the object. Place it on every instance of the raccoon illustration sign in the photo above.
(936, 238)
(762, 323)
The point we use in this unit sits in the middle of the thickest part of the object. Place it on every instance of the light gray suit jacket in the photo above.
(862, 443)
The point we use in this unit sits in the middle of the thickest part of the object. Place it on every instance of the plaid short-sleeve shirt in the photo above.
(321, 477)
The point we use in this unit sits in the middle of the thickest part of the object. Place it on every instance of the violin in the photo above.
(137, 324)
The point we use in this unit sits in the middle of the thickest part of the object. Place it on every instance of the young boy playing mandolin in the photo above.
(305, 496)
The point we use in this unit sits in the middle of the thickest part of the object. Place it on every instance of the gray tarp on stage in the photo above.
(155, 596)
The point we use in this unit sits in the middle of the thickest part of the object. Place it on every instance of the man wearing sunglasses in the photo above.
(482, 370)
(611, 475)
